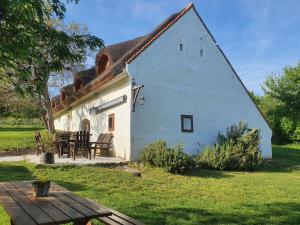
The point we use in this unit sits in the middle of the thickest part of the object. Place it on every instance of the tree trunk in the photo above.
(44, 118)
(45, 100)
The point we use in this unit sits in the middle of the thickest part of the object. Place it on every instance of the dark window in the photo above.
(201, 53)
(78, 84)
(181, 47)
(111, 122)
(103, 64)
(63, 96)
(187, 123)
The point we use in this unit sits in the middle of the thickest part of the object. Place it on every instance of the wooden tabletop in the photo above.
(61, 206)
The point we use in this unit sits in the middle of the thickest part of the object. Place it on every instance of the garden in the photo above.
(199, 196)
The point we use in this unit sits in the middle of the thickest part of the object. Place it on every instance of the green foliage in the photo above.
(15, 122)
(281, 104)
(296, 135)
(287, 126)
(233, 132)
(286, 89)
(256, 98)
(18, 106)
(238, 150)
(31, 47)
(172, 159)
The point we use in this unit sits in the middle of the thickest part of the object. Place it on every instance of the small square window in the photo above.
(181, 47)
(201, 53)
(111, 122)
(187, 123)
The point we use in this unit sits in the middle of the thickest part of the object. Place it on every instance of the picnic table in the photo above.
(61, 206)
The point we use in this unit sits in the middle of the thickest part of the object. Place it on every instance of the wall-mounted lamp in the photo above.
(142, 100)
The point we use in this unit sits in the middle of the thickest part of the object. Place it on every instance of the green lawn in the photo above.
(18, 137)
(270, 196)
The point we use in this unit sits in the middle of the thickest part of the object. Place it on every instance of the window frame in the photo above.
(180, 47)
(113, 122)
(201, 53)
(183, 117)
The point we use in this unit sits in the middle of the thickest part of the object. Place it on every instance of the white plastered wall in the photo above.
(184, 83)
(99, 122)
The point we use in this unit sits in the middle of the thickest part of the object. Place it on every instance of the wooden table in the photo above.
(61, 206)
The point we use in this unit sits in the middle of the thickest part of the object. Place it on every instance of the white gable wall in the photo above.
(99, 122)
(184, 83)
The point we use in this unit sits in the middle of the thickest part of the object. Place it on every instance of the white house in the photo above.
(174, 83)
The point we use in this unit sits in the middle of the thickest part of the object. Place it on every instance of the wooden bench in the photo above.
(118, 218)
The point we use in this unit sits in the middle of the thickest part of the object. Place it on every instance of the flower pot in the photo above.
(41, 189)
(47, 158)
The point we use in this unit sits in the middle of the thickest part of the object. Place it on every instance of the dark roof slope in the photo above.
(56, 99)
(117, 51)
(68, 89)
(86, 75)
(125, 52)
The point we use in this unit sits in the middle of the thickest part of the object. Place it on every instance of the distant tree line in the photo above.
(280, 104)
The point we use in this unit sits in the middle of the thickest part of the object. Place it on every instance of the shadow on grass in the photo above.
(284, 159)
(15, 173)
(275, 214)
(71, 186)
(20, 128)
(205, 173)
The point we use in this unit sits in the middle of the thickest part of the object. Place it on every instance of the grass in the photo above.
(269, 196)
(17, 137)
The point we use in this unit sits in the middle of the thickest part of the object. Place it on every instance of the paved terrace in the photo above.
(64, 160)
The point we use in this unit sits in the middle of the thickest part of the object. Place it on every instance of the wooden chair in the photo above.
(81, 144)
(96, 144)
(39, 145)
(64, 144)
(104, 142)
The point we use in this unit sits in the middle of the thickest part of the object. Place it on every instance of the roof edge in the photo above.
(146, 45)
(231, 67)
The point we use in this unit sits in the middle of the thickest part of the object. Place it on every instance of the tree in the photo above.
(281, 104)
(255, 98)
(57, 79)
(286, 89)
(32, 46)
(14, 105)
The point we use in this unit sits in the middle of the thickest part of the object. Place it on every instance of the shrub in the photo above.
(21, 122)
(238, 150)
(296, 136)
(172, 159)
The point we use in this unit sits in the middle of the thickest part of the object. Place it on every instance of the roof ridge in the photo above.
(160, 32)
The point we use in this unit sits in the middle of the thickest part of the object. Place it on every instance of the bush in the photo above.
(172, 159)
(21, 122)
(238, 150)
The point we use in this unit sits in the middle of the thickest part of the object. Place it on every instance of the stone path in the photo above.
(64, 160)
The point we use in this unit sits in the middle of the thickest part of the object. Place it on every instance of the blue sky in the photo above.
(258, 36)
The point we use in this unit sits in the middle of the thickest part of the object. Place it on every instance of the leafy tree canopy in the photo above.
(285, 89)
(28, 40)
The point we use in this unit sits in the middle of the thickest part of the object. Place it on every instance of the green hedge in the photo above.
(173, 159)
(238, 150)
